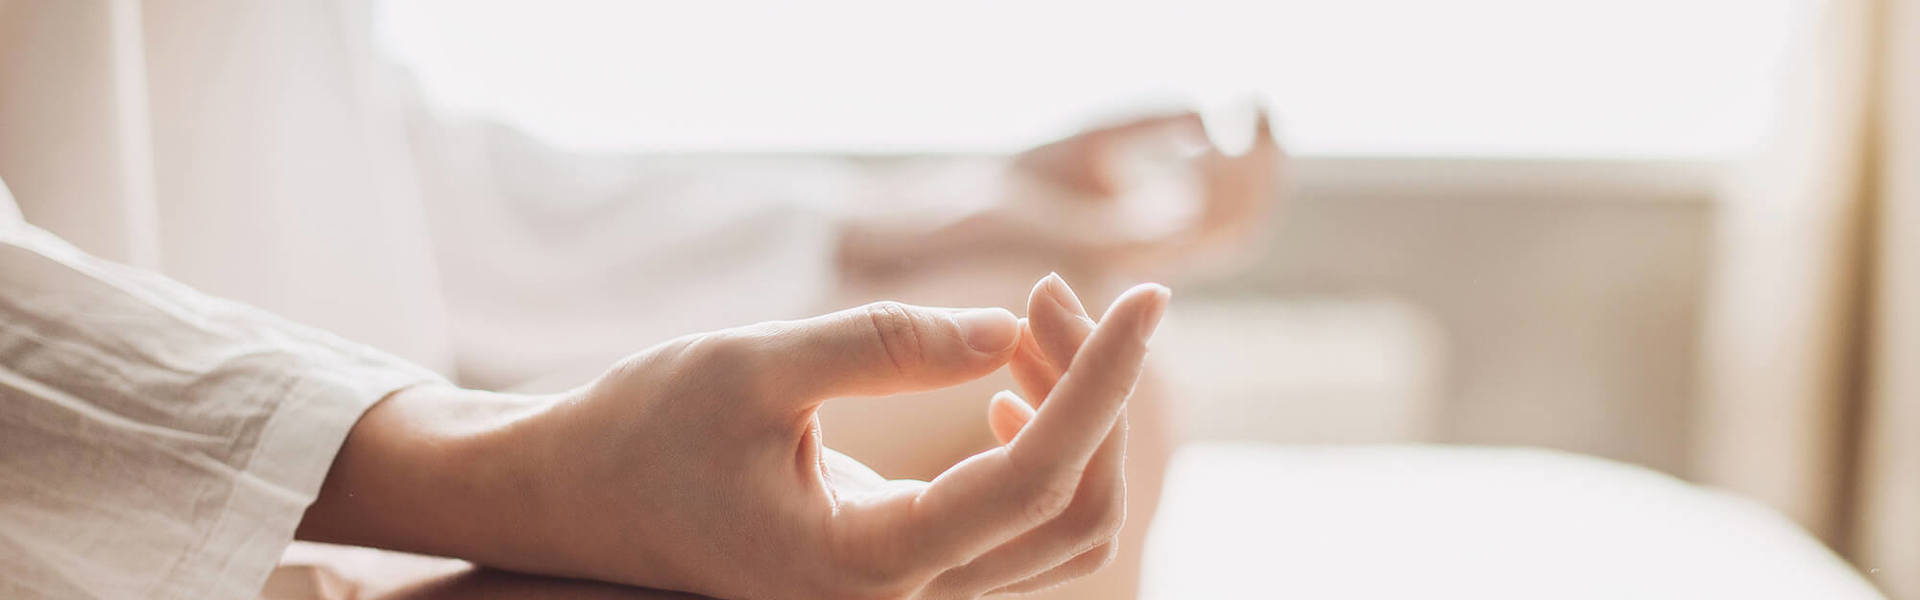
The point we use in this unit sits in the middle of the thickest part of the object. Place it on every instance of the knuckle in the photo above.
(1047, 500)
(725, 362)
(1081, 565)
(1104, 555)
(1108, 516)
(725, 353)
(898, 333)
(1091, 561)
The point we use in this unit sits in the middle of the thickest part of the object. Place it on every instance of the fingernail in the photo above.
(1015, 404)
(1162, 297)
(1062, 295)
(988, 330)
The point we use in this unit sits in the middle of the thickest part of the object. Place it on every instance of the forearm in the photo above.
(428, 470)
(487, 584)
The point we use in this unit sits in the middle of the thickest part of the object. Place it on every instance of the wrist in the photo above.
(425, 471)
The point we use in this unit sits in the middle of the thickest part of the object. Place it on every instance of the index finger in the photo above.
(994, 496)
(1082, 407)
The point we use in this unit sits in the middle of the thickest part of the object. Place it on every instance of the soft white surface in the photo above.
(1328, 522)
(1381, 358)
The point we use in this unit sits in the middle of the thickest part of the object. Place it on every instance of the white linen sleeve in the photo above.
(156, 442)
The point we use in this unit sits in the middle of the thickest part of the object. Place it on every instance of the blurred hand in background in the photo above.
(1149, 197)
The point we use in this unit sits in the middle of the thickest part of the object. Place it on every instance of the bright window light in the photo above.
(1581, 78)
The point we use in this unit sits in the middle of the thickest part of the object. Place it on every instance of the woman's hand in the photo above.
(698, 465)
(1153, 195)
(1185, 200)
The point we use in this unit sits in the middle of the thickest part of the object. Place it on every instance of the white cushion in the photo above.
(1262, 369)
(1325, 522)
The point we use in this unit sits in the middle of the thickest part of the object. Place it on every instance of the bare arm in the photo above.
(698, 465)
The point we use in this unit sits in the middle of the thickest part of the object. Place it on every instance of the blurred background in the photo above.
(1646, 230)
(1502, 211)
(1669, 233)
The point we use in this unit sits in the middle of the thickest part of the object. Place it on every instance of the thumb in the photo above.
(885, 348)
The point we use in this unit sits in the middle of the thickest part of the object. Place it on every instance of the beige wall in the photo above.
(1567, 294)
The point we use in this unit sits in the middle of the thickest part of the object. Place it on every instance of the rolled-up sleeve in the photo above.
(156, 442)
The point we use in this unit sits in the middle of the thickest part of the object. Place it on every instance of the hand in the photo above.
(1051, 335)
(1186, 206)
(698, 465)
(1127, 216)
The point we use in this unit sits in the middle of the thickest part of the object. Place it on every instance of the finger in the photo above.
(1263, 130)
(1240, 190)
(996, 495)
(1006, 414)
(1046, 555)
(878, 349)
(1035, 558)
(1079, 566)
(1031, 371)
(1076, 415)
(1057, 324)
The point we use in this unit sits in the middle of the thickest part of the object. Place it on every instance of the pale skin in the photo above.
(698, 465)
(1076, 177)
(747, 469)
(1067, 205)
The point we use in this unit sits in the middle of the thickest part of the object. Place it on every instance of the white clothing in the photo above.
(156, 442)
(160, 443)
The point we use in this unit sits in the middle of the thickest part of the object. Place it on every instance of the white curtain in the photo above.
(1812, 365)
(1886, 533)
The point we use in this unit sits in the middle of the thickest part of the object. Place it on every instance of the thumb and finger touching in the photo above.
(1063, 452)
(997, 496)
(1056, 325)
(1098, 379)
(1079, 540)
